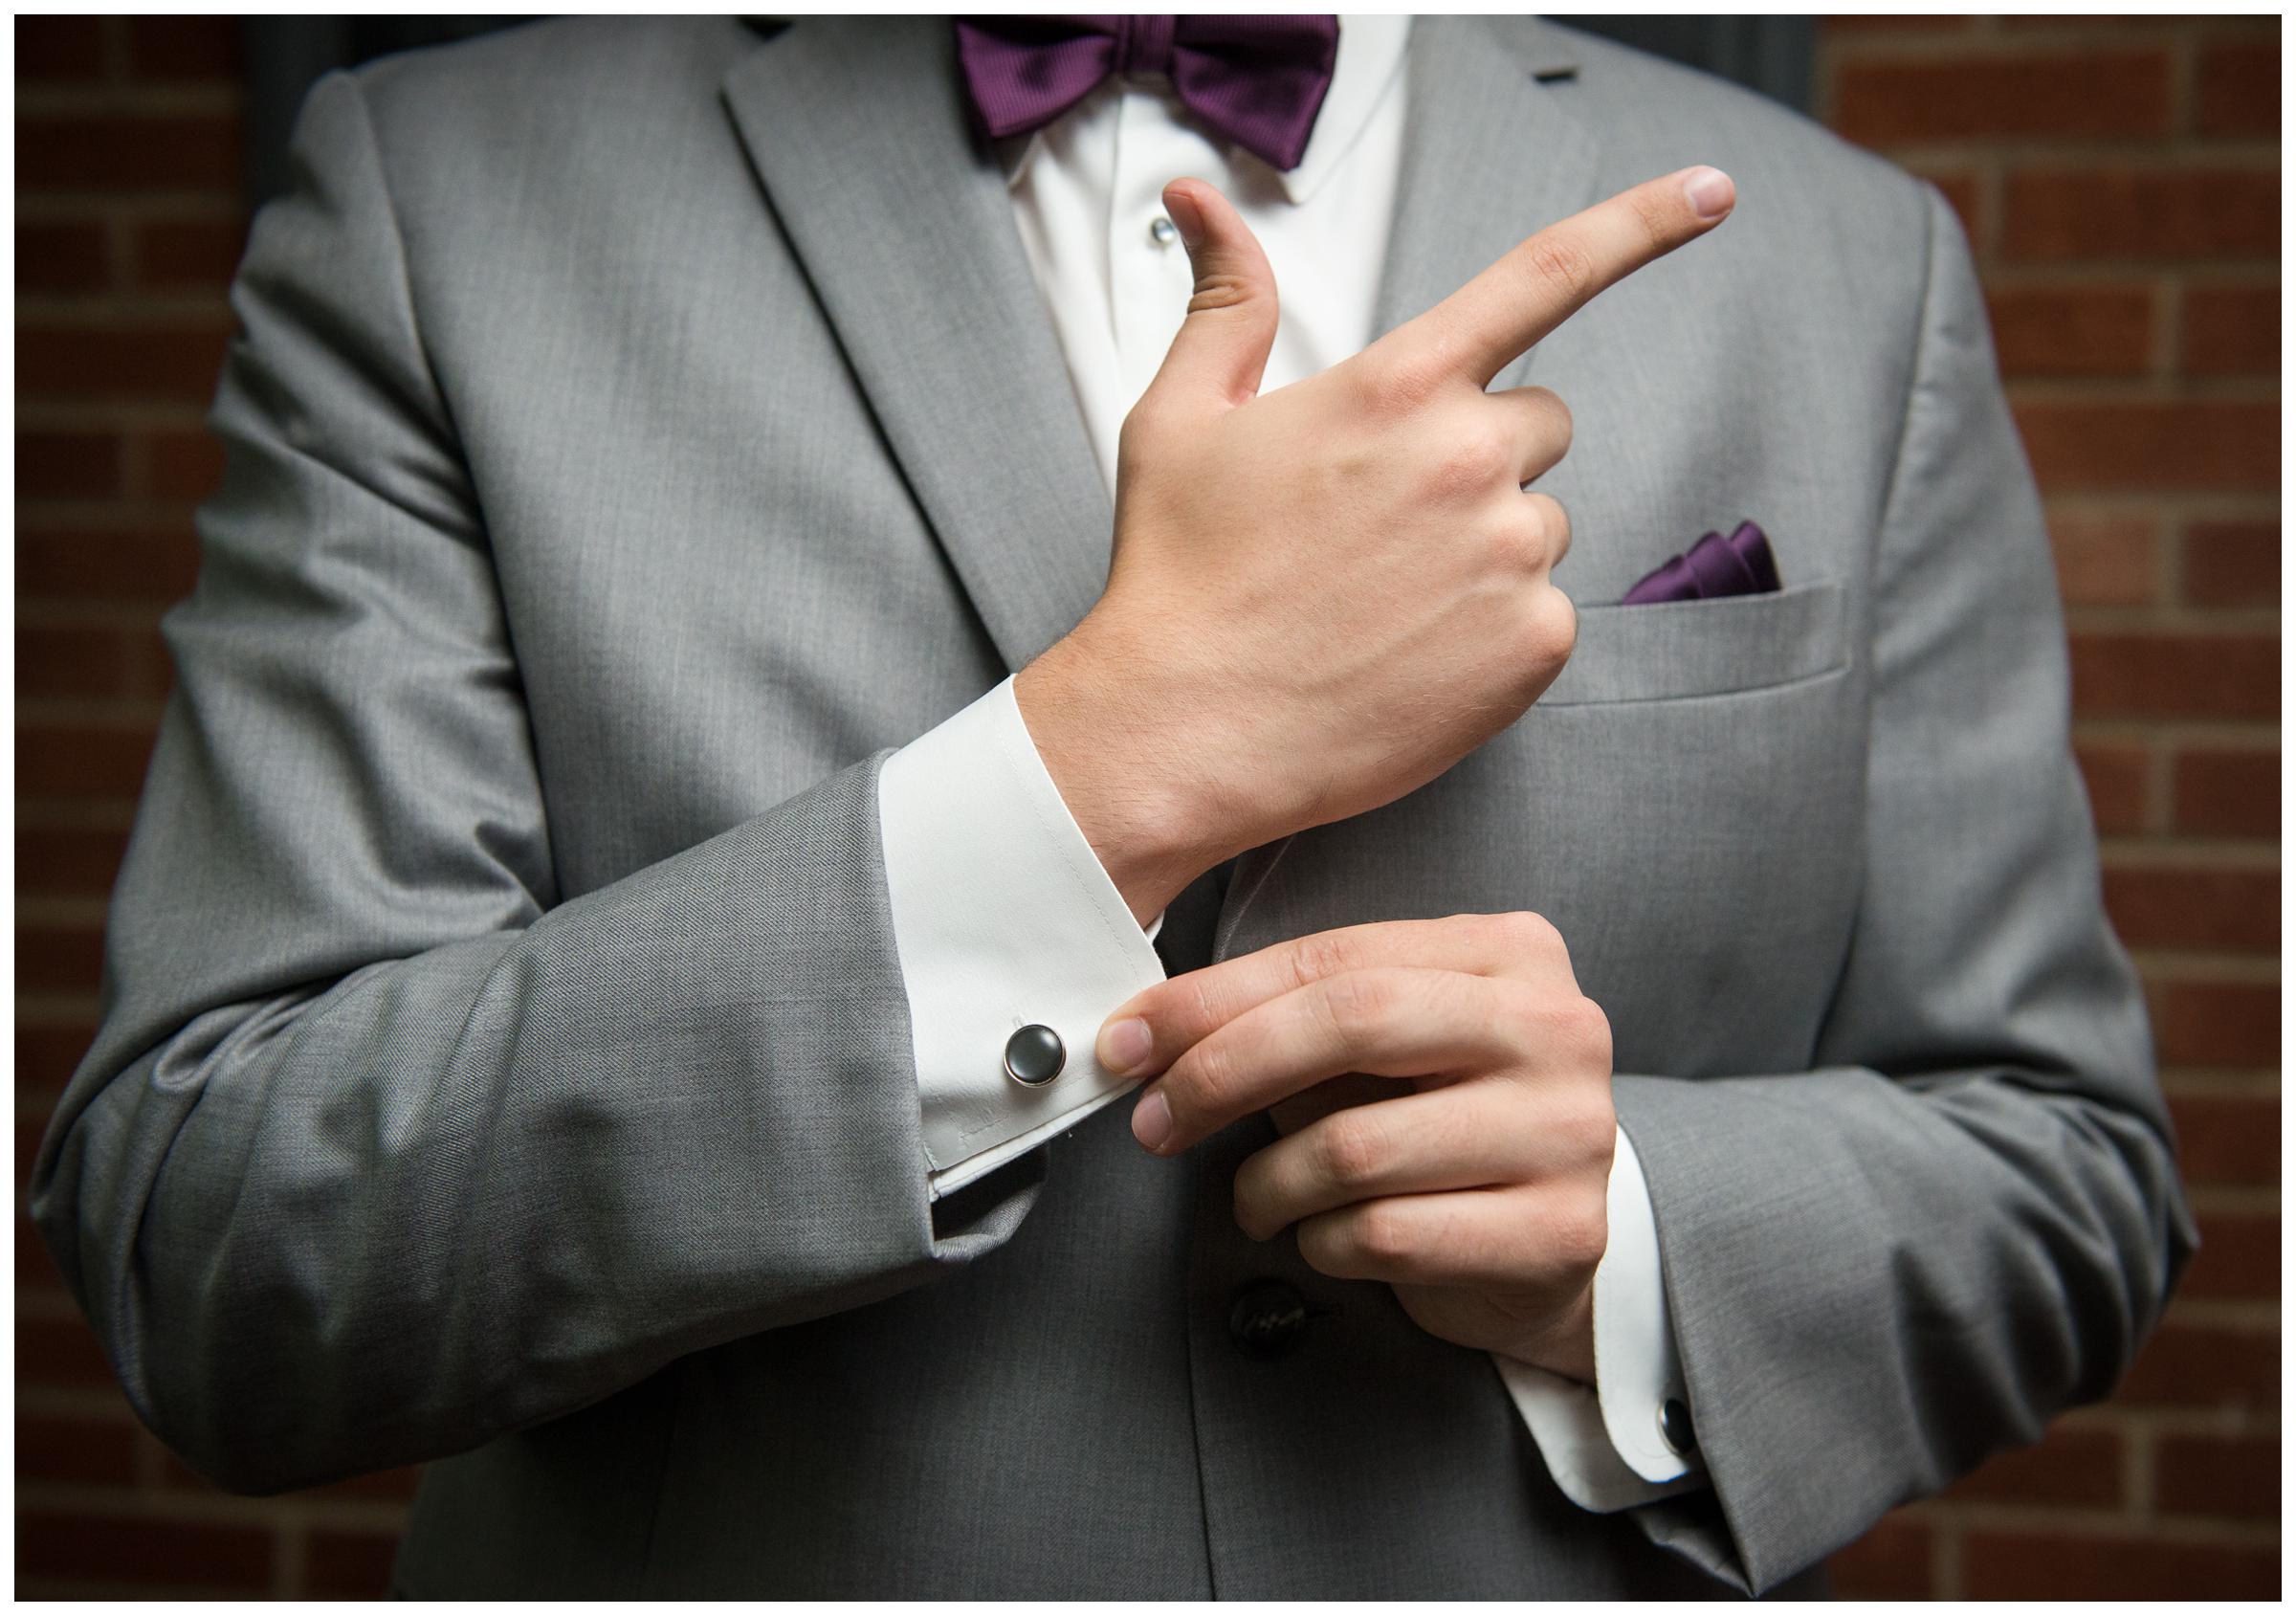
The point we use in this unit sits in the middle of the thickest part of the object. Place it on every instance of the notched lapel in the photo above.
(859, 137)
(1490, 154)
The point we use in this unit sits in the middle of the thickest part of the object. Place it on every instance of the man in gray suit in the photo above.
(600, 999)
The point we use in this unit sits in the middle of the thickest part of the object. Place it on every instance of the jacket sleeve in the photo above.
(382, 1149)
(1967, 1217)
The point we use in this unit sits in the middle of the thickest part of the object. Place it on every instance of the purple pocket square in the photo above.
(1740, 565)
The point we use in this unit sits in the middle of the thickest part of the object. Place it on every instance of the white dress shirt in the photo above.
(970, 815)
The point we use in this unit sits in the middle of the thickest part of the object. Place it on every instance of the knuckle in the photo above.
(1657, 219)
(1192, 1006)
(1590, 1037)
(1141, 430)
(1322, 1246)
(1564, 265)
(1398, 382)
(1205, 1080)
(1550, 527)
(1356, 1005)
(1518, 541)
(1522, 934)
(1218, 289)
(1559, 528)
(1581, 1236)
(1355, 1148)
(1558, 426)
(1549, 629)
(1379, 1235)
(1320, 956)
(1474, 455)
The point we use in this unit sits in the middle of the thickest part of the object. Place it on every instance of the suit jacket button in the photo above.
(1674, 1425)
(1266, 1319)
(1034, 1055)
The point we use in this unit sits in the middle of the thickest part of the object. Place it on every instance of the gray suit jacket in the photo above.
(640, 427)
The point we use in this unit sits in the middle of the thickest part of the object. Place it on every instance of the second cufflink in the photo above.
(1034, 1055)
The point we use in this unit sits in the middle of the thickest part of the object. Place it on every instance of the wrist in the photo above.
(1125, 778)
(1567, 1348)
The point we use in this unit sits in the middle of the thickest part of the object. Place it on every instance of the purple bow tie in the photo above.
(1257, 81)
(1740, 565)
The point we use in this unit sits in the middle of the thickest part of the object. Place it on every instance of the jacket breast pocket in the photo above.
(1668, 650)
(1685, 805)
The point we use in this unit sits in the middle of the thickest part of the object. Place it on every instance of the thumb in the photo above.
(1221, 351)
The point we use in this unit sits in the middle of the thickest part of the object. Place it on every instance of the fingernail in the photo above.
(1710, 190)
(1151, 1121)
(1187, 216)
(1123, 1046)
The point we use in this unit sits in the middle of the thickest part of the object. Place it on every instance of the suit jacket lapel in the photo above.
(1489, 155)
(859, 135)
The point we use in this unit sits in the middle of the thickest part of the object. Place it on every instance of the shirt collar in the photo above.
(1363, 70)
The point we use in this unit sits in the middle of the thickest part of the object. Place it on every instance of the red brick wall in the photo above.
(2119, 179)
(128, 224)
(2120, 182)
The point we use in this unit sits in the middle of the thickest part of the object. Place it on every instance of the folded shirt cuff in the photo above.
(1002, 918)
(1606, 1444)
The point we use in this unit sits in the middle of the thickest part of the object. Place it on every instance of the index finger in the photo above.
(1174, 1015)
(1540, 282)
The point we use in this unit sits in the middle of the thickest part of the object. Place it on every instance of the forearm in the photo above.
(452, 1194)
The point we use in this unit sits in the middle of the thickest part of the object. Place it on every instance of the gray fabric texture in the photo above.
(638, 428)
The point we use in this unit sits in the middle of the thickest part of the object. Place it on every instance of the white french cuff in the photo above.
(1003, 918)
(1608, 1449)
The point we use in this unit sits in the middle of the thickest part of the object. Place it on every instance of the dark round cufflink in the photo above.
(1674, 1425)
(1034, 1055)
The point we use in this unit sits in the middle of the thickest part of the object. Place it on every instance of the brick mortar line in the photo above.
(2168, 328)
(220, 99)
(2248, 858)
(193, 1506)
(2257, 1316)
(78, 1588)
(2195, 965)
(2177, 617)
(80, 205)
(2257, 734)
(2086, 273)
(2144, 389)
(59, 199)
(2221, 1083)
(1914, 44)
(289, 1557)
(2048, 154)
(74, 1403)
(2236, 1422)
(115, 814)
(2191, 850)
(84, 913)
(49, 413)
(46, 1305)
(1946, 1566)
(2234, 1200)
(122, 314)
(2171, 504)
(54, 519)
(56, 711)
(38, 1011)
(2184, 73)
(2008, 1517)
(89, 611)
